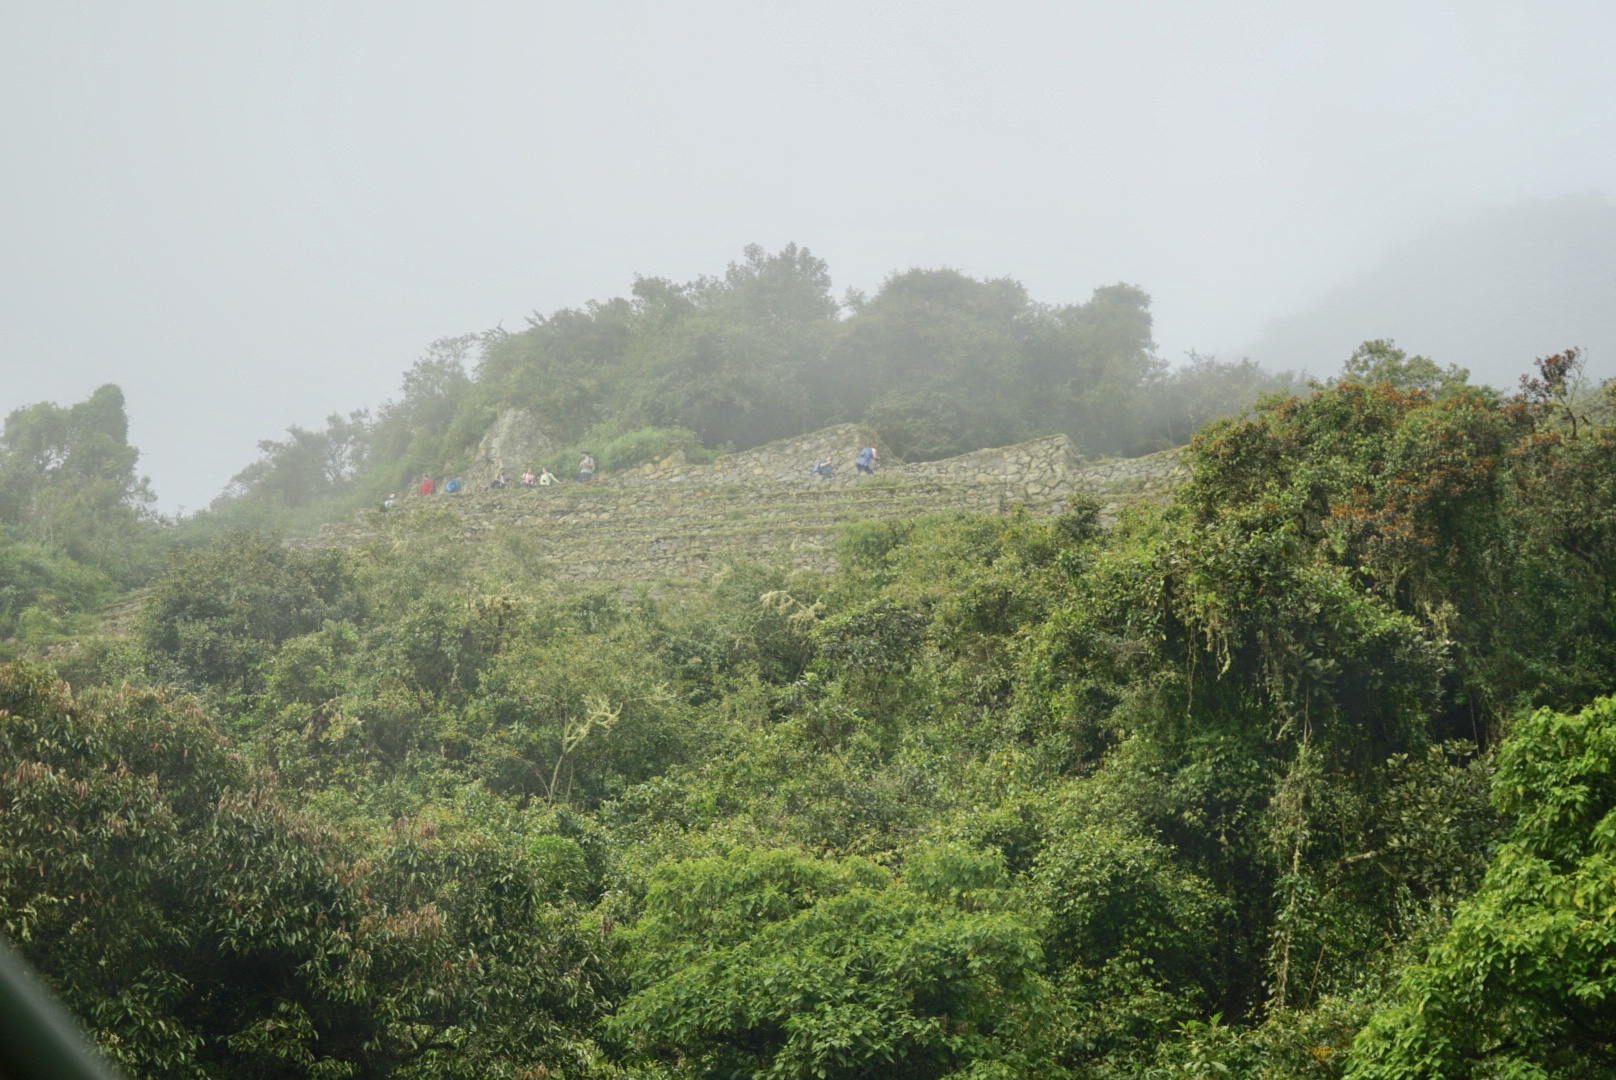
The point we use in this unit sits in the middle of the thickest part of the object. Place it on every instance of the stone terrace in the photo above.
(671, 519)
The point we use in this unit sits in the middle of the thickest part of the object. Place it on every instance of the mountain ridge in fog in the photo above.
(1489, 292)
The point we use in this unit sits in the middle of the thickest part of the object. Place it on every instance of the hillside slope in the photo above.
(672, 519)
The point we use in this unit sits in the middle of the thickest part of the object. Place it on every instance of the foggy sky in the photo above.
(1489, 292)
(252, 215)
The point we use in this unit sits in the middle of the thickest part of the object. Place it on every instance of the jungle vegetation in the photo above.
(1311, 773)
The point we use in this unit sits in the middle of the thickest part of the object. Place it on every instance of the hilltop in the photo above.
(933, 365)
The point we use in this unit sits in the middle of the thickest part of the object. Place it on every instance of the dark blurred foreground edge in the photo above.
(38, 1039)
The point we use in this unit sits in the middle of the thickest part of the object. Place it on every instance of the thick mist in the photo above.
(250, 219)
(1490, 291)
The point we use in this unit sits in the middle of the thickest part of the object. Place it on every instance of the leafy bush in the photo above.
(215, 618)
(1521, 984)
(615, 449)
(774, 963)
(205, 928)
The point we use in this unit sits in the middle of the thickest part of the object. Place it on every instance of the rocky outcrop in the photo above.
(517, 439)
(671, 519)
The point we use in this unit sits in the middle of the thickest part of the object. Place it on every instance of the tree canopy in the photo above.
(76, 524)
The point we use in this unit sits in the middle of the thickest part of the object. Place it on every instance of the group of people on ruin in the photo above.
(452, 486)
(528, 478)
(865, 463)
(543, 478)
(868, 457)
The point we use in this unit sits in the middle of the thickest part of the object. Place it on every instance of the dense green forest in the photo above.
(1311, 773)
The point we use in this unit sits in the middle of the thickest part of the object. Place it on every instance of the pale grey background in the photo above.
(252, 214)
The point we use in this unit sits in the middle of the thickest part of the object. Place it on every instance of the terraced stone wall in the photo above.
(673, 519)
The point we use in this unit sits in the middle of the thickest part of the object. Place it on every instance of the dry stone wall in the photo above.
(670, 519)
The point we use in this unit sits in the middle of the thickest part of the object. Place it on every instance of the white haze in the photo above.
(252, 215)
(1490, 291)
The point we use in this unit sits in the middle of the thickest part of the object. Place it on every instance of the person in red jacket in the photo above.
(426, 485)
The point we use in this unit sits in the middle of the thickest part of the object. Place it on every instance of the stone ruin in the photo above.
(672, 519)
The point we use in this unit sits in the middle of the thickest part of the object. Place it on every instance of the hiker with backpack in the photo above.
(427, 486)
(586, 468)
(867, 458)
(825, 467)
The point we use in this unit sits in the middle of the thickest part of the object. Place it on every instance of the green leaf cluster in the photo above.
(1522, 985)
